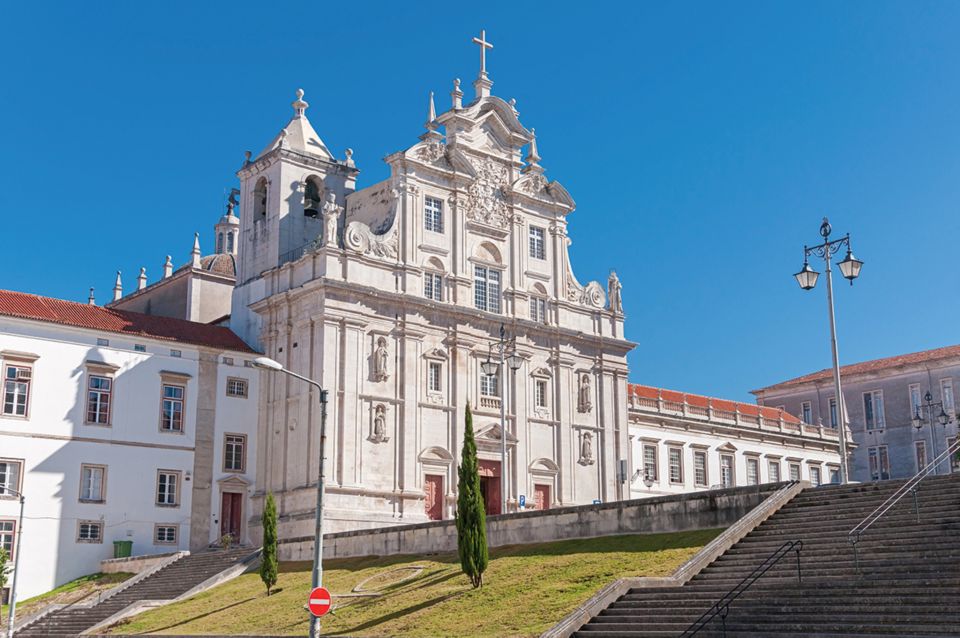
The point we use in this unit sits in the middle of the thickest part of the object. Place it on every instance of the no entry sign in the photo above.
(320, 601)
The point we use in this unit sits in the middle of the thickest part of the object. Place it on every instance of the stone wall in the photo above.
(675, 513)
(132, 564)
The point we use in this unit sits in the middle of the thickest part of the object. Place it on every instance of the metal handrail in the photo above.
(722, 606)
(857, 532)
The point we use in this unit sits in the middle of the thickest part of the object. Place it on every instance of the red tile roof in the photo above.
(869, 366)
(134, 324)
(700, 401)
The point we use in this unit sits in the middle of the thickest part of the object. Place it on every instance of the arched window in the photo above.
(260, 200)
(312, 198)
(230, 243)
(219, 242)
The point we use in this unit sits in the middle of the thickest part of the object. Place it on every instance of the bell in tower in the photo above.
(312, 198)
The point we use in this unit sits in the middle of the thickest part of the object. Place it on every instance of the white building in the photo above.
(390, 296)
(686, 442)
(118, 426)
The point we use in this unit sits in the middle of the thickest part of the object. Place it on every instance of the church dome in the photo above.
(221, 264)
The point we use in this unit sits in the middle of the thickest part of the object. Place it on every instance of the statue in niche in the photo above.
(586, 449)
(381, 357)
(614, 293)
(379, 433)
(583, 394)
(331, 213)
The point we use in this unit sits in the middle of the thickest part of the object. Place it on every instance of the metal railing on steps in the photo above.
(911, 486)
(722, 607)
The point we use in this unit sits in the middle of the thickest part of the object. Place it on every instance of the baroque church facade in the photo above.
(391, 297)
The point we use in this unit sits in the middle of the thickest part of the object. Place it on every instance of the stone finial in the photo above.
(246, 157)
(142, 279)
(533, 157)
(457, 94)
(195, 253)
(91, 299)
(117, 288)
(349, 161)
(167, 267)
(431, 114)
(513, 105)
(300, 105)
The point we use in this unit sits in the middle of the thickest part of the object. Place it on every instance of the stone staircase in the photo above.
(169, 582)
(908, 583)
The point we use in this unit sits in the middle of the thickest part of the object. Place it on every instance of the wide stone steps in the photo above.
(908, 582)
(173, 580)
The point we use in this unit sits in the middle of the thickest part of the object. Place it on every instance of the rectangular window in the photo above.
(16, 390)
(834, 419)
(806, 412)
(727, 477)
(537, 247)
(139, 347)
(873, 410)
(700, 468)
(814, 476)
(540, 393)
(89, 532)
(920, 448)
(10, 472)
(168, 488)
(915, 400)
(433, 214)
(954, 458)
(234, 452)
(171, 416)
(176, 354)
(91, 483)
(773, 471)
(946, 395)
(236, 387)
(486, 289)
(794, 471)
(753, 471)
(7, 535)
(879, 463)
(435, 377)
(650, 462)
(165, 535)
(675, 456)
(538, 309)
(103, 342)
(490, 385)
(99, 391)
(433, 286)
(834, 475)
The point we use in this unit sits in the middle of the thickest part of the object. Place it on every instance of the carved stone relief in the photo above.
(381, 361)
(584, 400)
(484, 201)
(378, 429)
(586, 448)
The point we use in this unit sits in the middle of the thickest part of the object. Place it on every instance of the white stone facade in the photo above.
(89, 467)
(684, 443)
(390, 296)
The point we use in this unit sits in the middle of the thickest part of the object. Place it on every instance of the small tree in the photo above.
(268, 558)
(471, 517)
(4, 567)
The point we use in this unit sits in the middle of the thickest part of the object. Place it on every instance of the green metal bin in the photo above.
(122, 549)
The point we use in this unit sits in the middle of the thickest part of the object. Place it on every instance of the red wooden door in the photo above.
(541, 496)
(490, 485)
(231, 512)
(433, 487)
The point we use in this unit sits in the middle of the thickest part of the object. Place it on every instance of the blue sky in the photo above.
(702, 141)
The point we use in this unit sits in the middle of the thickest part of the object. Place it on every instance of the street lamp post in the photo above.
(928, 406)
(266, 363)
(16, 561)
(490, 368)
(807, 278)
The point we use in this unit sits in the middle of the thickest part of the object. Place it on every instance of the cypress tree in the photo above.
(471, 517)
(268, 558)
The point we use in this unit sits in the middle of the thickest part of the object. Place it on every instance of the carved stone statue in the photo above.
(331, 213)
(381, 360)
(586, 449)
(379, 434)
(613, 293)
(584, 403)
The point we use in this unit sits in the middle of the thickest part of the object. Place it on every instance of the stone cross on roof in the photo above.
(482, 84)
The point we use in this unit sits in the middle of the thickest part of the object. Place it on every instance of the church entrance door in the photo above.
(433, 487)
(231, 512)
(541, 496)
(490, 486)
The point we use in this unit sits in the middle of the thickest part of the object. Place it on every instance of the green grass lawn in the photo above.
(67, 593)
(527, 589)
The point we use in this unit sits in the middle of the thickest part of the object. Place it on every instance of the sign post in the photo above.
(319, 601)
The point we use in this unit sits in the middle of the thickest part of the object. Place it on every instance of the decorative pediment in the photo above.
(492, 433)
(536, 186)
(544, 466)
(432, 151)
(727, 447)
(435, 455)
(234, 481)
(542, 372)
(439, 354)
